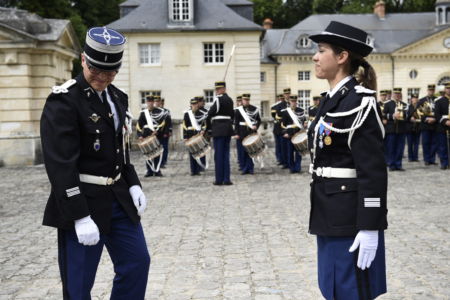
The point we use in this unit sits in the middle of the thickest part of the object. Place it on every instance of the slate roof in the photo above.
(396, 31)
(31, 25)
(211, 15)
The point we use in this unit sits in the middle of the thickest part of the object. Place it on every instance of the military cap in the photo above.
(157, 98)
(383, 93)
(199, 98)
(293, 98)
(150, 98)
(245, 96)
(447, 85)
(397, 90)
(280, 96)
(414, 96)
(287, 91)
(431, 86)
(239, 98)
(104, 48)
(388, 91)
(220, 84)
(316, 98)
(194, 100)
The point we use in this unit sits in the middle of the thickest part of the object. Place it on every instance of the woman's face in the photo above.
(327, 63)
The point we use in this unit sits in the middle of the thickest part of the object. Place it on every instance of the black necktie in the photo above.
(106, 104)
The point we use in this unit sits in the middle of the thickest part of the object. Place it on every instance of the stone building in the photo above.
(35, 54)
(411, 50)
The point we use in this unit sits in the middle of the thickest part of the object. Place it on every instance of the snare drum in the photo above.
(198, 146)
(254, 145)
(151, 147)
(300, 142)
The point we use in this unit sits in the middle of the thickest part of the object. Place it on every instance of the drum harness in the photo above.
(197, 127)
(249, 123)
(149, 120)
(368, 103)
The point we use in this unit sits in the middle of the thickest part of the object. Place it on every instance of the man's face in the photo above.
(293, 103)
(194, 107)
(97, 79)
(382, 98)
(245, 102)
(150, 104)
(220, 91)
(397, 96)
(157, 103)
(447, 92)
(430, 93)
(414, 100)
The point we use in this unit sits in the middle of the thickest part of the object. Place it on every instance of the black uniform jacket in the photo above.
(424, 125)
(220, 116)
(240, 127)
(395, 126)
(288, 125)
(276, 115)
(78, 137)
(338, 205)
(312, 111)
(441, 111)
(412, 126)
(168, 120)
(158, 116)
(188, 130)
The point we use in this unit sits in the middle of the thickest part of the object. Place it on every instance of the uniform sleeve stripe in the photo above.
(372, 202)
(74, 193)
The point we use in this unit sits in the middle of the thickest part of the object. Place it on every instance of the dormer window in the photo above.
(303, 42)
(181, 10)
(370, 41)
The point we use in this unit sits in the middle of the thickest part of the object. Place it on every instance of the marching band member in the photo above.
(292, 121)
(442, 113)
(220, 118)
(277, 128)
(247, 121)
(193, 123)
(282, 141)
(149, 124)
(413, 129)
(239, 148)
(349, 187)
(428, 126)
(159, 102)
(96, 198)
(312, 110)
(396, 114)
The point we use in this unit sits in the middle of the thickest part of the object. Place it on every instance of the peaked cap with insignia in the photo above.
(104, 48)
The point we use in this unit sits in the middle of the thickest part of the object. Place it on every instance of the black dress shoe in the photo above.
(427, 163)
(284, 167)
(392, 169)
(195, 174)
(148, 175)
(444, 168)
(217, 183)
(228, 183)
(400, 169)
(433, 163)
(243, 173)
(159, 174)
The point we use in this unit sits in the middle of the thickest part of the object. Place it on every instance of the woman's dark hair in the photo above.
(358, 66)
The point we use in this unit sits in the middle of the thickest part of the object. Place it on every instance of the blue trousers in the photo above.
(284, 151)
(248, 165)
(165, 143)
(340, 278)
(277, 139)
(222, 158)
(294, 158)
(128, 251)
(413, 139)
(442, 148)
(240, 153)
(429, 146)
(195, 167)
(395, 144)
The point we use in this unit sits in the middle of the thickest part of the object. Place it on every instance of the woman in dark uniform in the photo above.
(349, 186)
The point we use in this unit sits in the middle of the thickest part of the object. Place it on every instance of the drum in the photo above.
(198, 146)
(300, 141)
(151, 147)
(254, 145)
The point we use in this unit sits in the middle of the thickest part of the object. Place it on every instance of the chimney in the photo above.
(380, 9)
(267, 24)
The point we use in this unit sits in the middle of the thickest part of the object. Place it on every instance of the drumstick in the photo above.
(229, 60)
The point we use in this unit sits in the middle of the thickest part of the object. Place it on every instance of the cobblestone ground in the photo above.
(246, 241)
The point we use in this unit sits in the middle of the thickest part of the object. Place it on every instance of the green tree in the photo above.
(326, 6)
(294, 11)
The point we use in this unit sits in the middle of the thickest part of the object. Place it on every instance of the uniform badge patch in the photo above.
(94, 117)
(97, 145)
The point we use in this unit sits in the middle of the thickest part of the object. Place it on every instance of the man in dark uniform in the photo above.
(292, 119)
(277, 128)
(312, 110)
(239, 148)
(413, 129)
(246, 121)
(202, 109)
(159, 102)
(442, 114)
(395, 113)
(155, 125)
(96, 197)
(193, 123)
(220, 117)
(381, 102)
(428, 126)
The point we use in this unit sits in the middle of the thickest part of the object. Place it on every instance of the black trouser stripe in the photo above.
(366, 279)
(358, 277)
(62, 260)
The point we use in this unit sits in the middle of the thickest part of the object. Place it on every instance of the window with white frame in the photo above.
(213, 53)
(181, 10)
(209, 96)
(304, 98)
(413, 91)
(263, 76)
(149, 54)
(303, 42)
(304, 75)
(144, 95)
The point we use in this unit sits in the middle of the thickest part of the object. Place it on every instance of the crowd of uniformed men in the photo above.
(424, 120)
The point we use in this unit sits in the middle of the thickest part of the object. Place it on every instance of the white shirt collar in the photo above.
(338, 86)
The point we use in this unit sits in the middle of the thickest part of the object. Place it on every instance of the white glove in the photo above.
(87, 231)
(139, 199)
(367, 240)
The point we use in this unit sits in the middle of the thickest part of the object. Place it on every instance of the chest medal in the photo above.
(97, 144)
(327, 140)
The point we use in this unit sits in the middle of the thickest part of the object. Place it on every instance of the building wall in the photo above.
(182, 73)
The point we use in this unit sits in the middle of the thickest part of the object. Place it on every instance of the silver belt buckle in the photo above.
(319, 171)
(109, 181)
